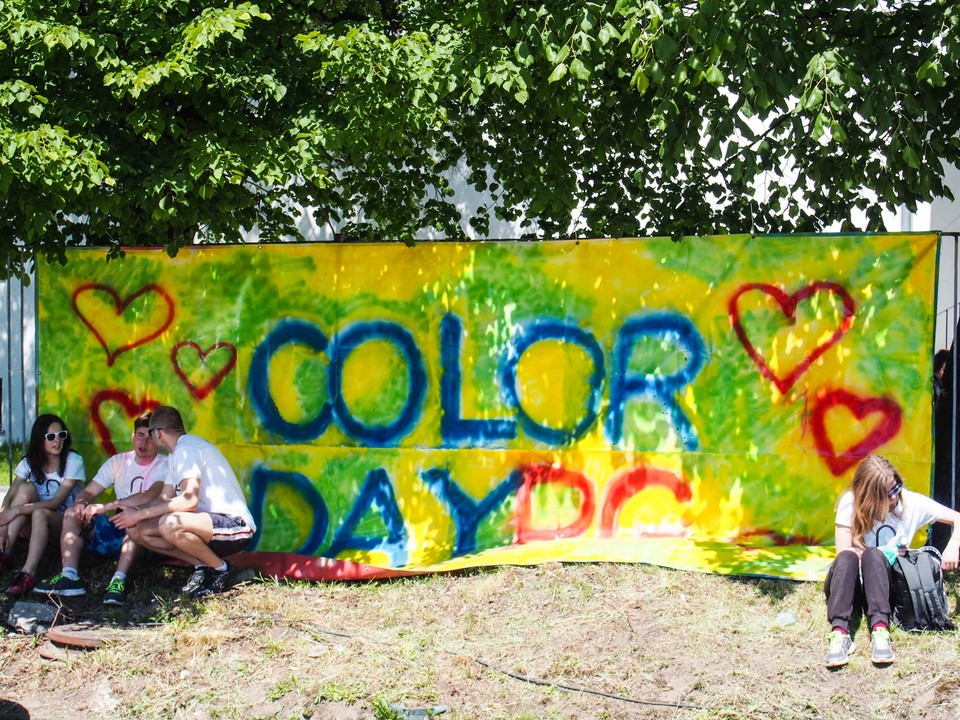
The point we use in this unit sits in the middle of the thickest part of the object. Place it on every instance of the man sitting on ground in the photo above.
(201, 515)
(137, 477)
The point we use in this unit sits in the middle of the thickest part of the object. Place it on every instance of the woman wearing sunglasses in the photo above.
(875, 512)
(44, 484)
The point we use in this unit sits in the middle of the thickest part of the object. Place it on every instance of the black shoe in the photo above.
(61, 586)
(196, 580)
(215, 583)
(116, 593)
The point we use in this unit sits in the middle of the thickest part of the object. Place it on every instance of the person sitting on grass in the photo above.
(872, 512)
(137, 478)
(42, 489)
(201, 515)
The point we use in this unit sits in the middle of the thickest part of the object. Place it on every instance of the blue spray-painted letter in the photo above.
(454, 429)
(287, 331)
(567, 333)
(377, 493)
(467, 513)
(663, 388)
(263, 478)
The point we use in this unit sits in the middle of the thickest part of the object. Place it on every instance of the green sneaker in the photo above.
(61, 586)
(116, 593)
(882, 648)
(841, 645)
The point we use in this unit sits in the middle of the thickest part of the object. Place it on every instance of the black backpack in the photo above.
(917, 594)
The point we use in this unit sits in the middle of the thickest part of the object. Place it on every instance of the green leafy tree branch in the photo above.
(131, 123)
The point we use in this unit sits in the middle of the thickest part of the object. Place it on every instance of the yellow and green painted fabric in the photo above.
(696, 404)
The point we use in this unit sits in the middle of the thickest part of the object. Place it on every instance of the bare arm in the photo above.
(168, 502)
(82, 508)
(142, 498)
(951, 553)
(843, 539)
(7, 514)
(137, 500)
(59, 498)
(11, 491)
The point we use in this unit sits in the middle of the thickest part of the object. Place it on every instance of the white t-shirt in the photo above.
(51, 484)
(918, 510)
(219, 488)
(127, 476)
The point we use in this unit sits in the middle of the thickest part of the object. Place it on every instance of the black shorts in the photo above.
(230, 534)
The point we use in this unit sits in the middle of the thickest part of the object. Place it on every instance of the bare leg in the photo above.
(147, 534)
(71, 541)
(26, 494)
(190, 533)
(128, 553)
(42, 523)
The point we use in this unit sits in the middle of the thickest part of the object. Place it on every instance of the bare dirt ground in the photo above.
(554, 641)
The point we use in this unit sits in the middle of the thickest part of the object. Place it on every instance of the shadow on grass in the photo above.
(153, 592)
(405, 580)
(775, 589)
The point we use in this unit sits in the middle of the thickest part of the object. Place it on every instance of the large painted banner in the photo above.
(388, 409)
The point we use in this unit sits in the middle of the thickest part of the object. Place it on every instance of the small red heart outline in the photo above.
(121, 306)
(860, 407)
(132, 407)
(201, 391)
(788, 305)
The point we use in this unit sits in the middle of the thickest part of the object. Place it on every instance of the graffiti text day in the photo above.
(378, 495)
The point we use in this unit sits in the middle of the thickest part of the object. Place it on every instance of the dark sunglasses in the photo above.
(151, 431)
(895, 490)
(50, 437)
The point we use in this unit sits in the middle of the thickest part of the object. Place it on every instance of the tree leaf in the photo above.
(641, 81)
(559, 72)
(910, 157)
(714, 76)
(579, 70)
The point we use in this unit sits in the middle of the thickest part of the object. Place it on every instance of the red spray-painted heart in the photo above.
(788, 306)
(206, 376)
(891, 418)
(131, 407)
(102, 314)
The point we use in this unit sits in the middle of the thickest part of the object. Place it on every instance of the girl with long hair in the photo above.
(875, 512)
(44, 484)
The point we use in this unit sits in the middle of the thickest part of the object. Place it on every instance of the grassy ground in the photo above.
(555, 641)
(5, 468)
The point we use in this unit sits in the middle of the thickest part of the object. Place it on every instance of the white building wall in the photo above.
(945, 216)
(18, 360)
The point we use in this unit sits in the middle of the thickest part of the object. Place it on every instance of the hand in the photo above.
(92, 510)
(951, 556)
(8, 515)
(127, 519)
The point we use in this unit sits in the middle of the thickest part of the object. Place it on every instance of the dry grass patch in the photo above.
(688, 645)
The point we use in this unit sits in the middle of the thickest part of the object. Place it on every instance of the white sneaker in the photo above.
(841, 646)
